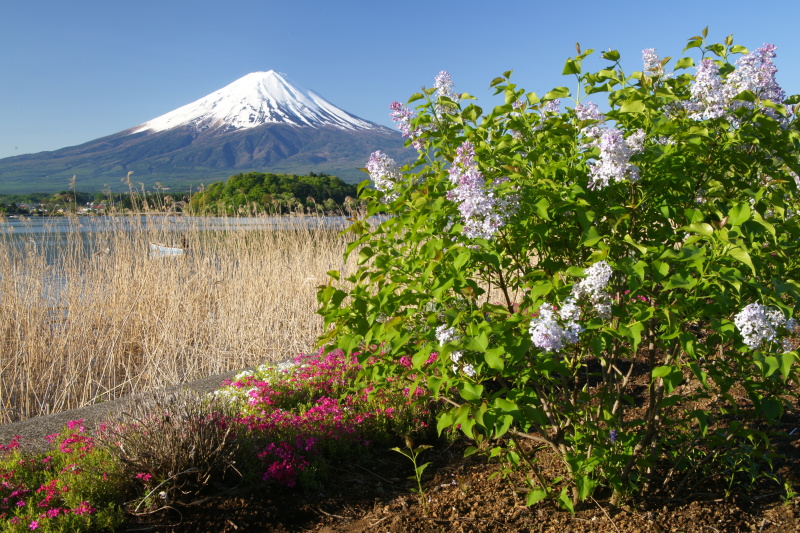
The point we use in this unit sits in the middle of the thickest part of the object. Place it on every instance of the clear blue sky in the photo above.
(75, 71)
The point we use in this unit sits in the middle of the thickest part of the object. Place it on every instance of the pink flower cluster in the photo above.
(18, 499)
(300, 436)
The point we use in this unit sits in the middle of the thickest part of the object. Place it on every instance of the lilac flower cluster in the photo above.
(615, 153)
(593, 287)
(384, 174)
(708, 93)
(447, 335)
(652, 63)
(547, 332)
(444, 88)
(759, 324)
(614, 163)
(550, 332)
(482, 212)
(713, 97)
(402, 116)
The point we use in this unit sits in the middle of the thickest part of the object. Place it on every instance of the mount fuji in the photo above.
(260, 122)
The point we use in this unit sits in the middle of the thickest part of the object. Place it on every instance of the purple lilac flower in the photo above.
(589, 111)
(758, 323)
(482, 212)
(614, 162)
(553, 106)
(594, 288)
(384, 174)
(444, 88)
(548, 334)
(402, 116)
(708, 93)
(652, 63)
(756, 72)
(612, 435)
(712, 97)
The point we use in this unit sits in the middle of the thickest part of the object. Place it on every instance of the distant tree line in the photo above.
(257, 192)
(65, 202)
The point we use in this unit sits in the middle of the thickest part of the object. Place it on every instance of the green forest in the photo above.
(257, 192)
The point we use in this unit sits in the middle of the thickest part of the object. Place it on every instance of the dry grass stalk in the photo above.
(100, 317)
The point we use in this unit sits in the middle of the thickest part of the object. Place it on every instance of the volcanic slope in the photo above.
(260, 122)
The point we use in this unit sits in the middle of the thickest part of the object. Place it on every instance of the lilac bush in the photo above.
(552, 255)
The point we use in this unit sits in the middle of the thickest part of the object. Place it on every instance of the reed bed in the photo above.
(91, 316)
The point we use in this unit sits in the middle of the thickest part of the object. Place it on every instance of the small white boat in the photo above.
(160, 250)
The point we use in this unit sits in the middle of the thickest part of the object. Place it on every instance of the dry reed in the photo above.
(92, 316)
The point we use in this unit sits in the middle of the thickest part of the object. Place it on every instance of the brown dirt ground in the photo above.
(463, 496)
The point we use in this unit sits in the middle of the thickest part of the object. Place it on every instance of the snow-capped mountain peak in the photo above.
(256, 99)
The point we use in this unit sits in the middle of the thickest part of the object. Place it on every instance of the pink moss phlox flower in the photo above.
(76, 424)
(83, 508)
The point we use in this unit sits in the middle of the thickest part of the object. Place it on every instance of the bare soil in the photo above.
(465, 495)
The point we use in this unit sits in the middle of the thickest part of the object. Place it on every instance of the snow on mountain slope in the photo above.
(256, 99)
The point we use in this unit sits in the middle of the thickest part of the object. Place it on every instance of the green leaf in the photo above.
(787, 360)
(494, 358)
(739, 214)
(541, 208)
(611, 55)
(535, 496)
(415, 97)
(699, 228)
(771, 367)
(566, 501)
(634, 333)
(684, 62)
(642, 249)
(471, 392)
(662, 371)
(632, 106)
(740, 254)
(541, 288)
(572, 67)
(558, 92)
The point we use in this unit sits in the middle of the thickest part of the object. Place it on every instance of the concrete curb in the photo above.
(35, 429)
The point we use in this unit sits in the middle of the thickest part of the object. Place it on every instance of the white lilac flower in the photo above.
(447, 335)
(482, 211)
(652, 63)
(570, 311)
(455, 357)
(548, 334)
(384, 174)
(758, 324)
(444, 88)
(469, 370)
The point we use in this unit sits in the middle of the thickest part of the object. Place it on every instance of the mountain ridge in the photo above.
(260, 122)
